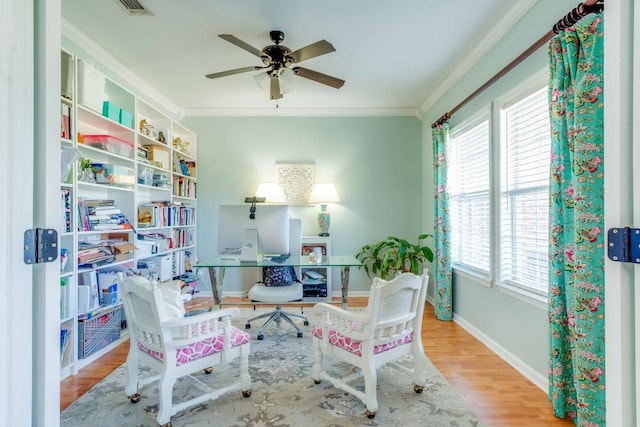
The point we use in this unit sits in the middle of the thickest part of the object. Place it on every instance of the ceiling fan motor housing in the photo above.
(276, 36)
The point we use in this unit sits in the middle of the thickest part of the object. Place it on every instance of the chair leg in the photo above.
(166, 399)
(317, 364)
(278, 315)
(370, 383)
(419, 369)
(132, 373)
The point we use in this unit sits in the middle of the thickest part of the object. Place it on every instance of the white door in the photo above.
(29, 158)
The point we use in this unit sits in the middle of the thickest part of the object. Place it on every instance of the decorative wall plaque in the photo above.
(296, 180)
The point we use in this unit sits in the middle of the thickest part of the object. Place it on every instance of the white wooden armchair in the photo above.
(174, 346)
(389, 328)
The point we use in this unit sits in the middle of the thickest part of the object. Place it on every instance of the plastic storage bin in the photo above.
(91, 84)
(114, 175)
(110, 143)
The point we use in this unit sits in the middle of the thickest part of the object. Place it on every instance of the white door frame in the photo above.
(621, 321)
(29, 129)
(16, 176)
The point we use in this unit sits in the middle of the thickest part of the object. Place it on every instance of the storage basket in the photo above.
(98, 332)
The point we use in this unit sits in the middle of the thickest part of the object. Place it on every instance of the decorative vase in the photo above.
(87, 175)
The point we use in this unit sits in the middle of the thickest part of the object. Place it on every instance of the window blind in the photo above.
(524, 193)
(468, 183)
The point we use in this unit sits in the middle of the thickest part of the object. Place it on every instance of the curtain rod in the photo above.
(582, 10)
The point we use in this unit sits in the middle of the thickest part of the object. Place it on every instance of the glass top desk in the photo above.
(223, 262)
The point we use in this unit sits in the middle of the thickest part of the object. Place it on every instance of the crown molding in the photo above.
(306, 112)
(476, 52)
(103, 57)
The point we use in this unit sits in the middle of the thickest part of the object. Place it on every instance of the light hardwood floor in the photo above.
(496, 392)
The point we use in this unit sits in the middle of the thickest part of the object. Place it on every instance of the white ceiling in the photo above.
(396, 56)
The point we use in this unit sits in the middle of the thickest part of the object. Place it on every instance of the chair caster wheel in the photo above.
(247, 326)
(418, 388)
(135, 398)
(370, 414)
(260, 337)
(246, 393)
(299, 334)
(208, 370)
(306, 323)
(317, 381)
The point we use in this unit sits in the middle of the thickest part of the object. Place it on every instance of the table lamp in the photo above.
(323, 194)
(272, 193)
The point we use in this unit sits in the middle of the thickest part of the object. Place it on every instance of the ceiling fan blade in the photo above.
(325, 79)
(275, 87)
(232, 72)
(311, 51)
(241, 44)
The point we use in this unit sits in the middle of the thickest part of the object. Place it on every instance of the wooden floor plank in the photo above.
(496, 392)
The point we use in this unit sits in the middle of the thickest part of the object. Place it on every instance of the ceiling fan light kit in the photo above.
(278, 60)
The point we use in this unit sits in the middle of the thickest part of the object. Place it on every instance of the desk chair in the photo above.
(280, 285)
(175, 346)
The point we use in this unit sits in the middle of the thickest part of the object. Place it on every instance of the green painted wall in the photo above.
(375, 163)
(517, 329)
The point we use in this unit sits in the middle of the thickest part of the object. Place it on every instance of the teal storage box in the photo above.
(111, 111)
(126, 118)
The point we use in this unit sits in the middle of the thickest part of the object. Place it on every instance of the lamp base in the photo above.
(324, 219)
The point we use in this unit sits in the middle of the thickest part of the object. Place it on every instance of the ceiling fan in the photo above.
(279, 61)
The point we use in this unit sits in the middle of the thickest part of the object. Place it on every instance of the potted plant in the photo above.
(394, 255)
(87, 170)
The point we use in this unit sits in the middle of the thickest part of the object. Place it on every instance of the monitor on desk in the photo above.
(266, 234)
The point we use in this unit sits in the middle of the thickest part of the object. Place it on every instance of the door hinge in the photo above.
(40, 245)
(624, 244)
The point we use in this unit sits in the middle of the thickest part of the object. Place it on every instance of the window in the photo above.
(524, 192)
(468, 182)
(499, 193)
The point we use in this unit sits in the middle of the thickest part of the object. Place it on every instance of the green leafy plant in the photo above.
(394, 255)
(85, 163)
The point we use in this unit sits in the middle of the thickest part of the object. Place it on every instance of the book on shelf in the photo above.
(90, 279)
(65, 339)
(65, 194)
(64, 297)
(65, 121)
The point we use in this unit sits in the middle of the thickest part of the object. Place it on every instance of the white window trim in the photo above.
(477, 276)
(524, 295)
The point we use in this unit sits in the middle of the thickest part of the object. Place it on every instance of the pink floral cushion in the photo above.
(355, 347)
(202, 348)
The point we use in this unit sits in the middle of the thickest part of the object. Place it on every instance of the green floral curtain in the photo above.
(442, 227)
(576, 273)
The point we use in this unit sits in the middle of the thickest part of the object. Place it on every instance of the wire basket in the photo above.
(98, 332)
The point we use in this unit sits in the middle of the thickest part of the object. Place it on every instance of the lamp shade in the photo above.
(272, 192)
(323, 193)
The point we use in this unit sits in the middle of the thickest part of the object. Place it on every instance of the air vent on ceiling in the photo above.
(134, 7)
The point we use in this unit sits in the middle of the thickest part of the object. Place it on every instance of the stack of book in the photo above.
(100, 215)
(92, 255)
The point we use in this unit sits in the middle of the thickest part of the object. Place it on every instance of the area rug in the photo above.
(283, 394)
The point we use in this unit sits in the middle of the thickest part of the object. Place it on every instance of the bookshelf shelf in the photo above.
(126, 178)
(316, 281)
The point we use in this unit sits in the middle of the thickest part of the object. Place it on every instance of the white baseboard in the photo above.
(529, 373)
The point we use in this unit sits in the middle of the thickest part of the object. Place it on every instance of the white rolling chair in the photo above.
(389, 328)
(280, 285)
(175, 346)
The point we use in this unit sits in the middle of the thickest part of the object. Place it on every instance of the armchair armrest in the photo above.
(195, 328)
(354, 324)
